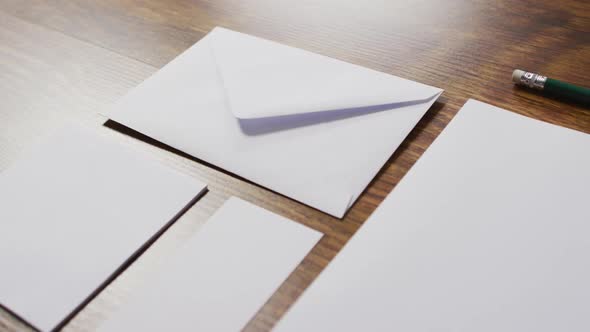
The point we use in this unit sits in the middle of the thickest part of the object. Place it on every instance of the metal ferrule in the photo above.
(533, 80)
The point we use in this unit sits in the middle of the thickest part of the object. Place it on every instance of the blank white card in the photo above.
(489, 231)
(222, 276)
(72, 212)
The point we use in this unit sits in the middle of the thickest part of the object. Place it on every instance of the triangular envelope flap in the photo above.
(267, 79)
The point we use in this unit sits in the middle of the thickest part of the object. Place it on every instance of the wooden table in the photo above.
(63, 61)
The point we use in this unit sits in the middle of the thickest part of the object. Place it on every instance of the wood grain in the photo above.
(62, 61)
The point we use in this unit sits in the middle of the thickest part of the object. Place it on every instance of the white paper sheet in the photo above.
(290, 120)
(71, 213)
(489, 231)
(222, 277)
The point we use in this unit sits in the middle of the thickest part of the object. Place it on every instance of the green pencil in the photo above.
(553, 87)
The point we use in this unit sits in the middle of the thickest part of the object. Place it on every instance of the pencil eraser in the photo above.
(516, 75)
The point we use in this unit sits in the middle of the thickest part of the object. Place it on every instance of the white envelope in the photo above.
(307, 126)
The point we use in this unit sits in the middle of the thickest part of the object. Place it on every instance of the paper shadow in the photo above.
(268, 125)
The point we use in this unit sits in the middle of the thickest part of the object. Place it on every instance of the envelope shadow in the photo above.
(268, 125)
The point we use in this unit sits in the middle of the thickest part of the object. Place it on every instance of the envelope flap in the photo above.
(267, 79)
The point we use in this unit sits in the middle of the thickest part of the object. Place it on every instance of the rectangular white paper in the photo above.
(309, 127)
(489, 231)
(222, 276)
(72, 212)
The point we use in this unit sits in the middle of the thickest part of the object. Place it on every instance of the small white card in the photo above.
(222, 276)
(489, 231)
(72, 212)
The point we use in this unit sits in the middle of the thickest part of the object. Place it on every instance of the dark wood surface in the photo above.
(63, 61)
